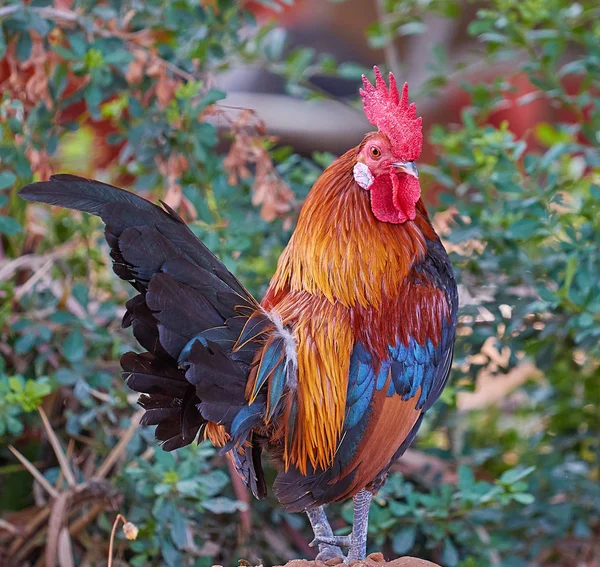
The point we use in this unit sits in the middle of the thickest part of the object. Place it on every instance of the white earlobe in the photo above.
(363, 175)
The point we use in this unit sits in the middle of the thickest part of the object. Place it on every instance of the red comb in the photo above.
(393, 116)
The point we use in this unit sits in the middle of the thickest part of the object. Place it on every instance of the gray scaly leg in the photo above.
(358, 539)
(322, 530)
(356, 542)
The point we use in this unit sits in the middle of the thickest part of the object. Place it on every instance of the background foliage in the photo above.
(123, 91)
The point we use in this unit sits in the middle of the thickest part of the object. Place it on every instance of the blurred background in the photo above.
(229, 111)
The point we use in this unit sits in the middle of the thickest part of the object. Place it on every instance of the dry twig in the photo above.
(37, 475)
(58, 450)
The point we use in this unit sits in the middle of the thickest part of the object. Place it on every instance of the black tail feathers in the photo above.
(189, 315)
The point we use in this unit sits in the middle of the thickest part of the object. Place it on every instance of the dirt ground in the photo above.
(373, 560)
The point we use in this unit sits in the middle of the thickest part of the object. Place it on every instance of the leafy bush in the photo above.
(122, 91)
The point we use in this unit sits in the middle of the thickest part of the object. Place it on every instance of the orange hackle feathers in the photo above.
(354, 267)
(324, 345)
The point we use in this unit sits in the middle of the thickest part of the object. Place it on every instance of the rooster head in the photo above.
(385, 164)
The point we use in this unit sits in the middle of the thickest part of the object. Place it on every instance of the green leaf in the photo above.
(78, 44)
(171, 556)
(65, 53)
(2, 43)
(514, 475)
(272, 4)
(411, 28)
(93, 98)
(37, 23)
(350, 70)
(73, 347)
(376, 36)
(211, 97)
(466, 479)
(223, 505)
(82, 294)
(24, 45)
(188, 487)
(9, 226)
(179, 531)
(449, 554)
(553, 154)
(493, 37)
(7, 179)
(404, 540)
(25, 342)
(524, 498)
(524, 228)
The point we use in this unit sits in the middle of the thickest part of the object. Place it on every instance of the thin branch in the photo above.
(35, 278)
(58, 515)
(26, 539)
(86, 519)
(58, 450)
(8, 527)
(33, 261)
(34, 472)
(61, 476)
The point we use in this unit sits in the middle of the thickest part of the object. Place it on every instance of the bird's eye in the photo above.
(375, 152)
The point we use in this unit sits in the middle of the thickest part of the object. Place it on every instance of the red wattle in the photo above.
(406, 192)
(393, 198)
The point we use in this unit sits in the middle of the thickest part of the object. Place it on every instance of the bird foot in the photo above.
(356, 550)
(328, 548)
(327, 552)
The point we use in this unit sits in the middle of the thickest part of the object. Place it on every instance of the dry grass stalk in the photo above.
(58, 450)
(129, 529)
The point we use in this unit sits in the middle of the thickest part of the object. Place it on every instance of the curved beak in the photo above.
(408, 167)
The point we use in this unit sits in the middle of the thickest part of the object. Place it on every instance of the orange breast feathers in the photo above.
(340, 269)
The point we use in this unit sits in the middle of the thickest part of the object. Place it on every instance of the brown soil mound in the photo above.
(373, 560)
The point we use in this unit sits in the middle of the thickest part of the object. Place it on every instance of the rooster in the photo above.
(332, 373)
